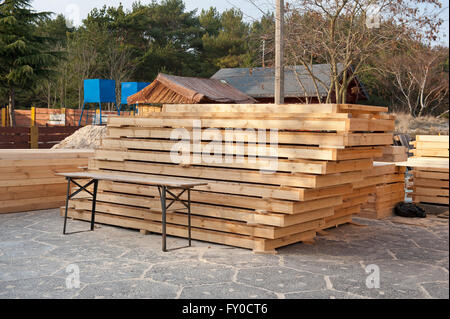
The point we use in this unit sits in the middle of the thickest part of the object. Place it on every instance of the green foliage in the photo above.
(25, 53)
(225, 41)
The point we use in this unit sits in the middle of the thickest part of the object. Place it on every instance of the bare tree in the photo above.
(345, 34)
(418, 76)
(119, 63)
(84, 55)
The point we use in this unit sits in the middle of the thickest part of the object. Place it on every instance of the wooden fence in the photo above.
(54, 117)
(33, 137)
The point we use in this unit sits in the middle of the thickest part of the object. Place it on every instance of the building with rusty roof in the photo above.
(170, 89)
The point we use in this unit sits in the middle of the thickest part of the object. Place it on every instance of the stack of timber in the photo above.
(322, 150)
(388, 184)
(28, 181)
(430, 169)
(393, 154)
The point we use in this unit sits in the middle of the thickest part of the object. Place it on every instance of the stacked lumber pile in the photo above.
(28, 181)
(322, 150)
(430, 169)
(393, 154)
(388, 184)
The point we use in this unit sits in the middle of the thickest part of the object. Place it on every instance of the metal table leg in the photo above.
(163, 207)
(82, 188)
(67, 204)
(94, 200)
(189, 216)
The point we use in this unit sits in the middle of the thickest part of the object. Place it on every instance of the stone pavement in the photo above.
(37, 261)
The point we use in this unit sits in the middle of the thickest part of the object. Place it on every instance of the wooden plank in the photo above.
(377, 180)
(321, 124)
(229, 200)
(281, 179)
(432, 138)
(295, 137)
(431, 183)
(430, 199)
(264, 191)
(288, 152)
(30, 204)
(393, 158)
(395, 150)
(248, 115)
(239, 161)
(431, 152)
(362, 108)
(43, 162)
(429, 162)
(33, 154)
(35, 173)
(32, 181)
(431, 145)
(252, 108)
(431, 191)
(431, 175)
(286, 108)
(34, 191)
(431, 169)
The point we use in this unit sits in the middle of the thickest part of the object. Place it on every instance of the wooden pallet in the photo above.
(28, 181)
(430, 183)
(322, 152)
(431, 146)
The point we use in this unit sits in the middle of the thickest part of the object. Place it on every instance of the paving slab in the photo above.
(393, 258)
(226, 291)
(128, 289)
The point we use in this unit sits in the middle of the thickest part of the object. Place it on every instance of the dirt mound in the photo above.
(87, 137)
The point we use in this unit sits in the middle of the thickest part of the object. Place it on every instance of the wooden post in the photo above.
(33, 116)
(34, 137)
(98, 115)
(63, 111)
(263, 53)
(34, 133)
(7, 116)
(279, 53)
(4, 117)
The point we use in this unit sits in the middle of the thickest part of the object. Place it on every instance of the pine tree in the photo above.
(25, 57)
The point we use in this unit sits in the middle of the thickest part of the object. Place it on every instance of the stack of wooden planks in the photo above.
(28, 181)
(258, 197)
(388, 184)
(393, 154)
(430, 169)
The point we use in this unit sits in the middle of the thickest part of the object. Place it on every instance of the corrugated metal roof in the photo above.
(259, 82)
(176, 89)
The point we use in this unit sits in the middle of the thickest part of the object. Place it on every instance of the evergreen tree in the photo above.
(25, 57)
(226, 41)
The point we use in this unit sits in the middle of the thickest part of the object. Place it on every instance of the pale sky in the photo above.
(78, 9)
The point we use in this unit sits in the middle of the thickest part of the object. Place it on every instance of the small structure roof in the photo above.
(298, 82)
(170, 89)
